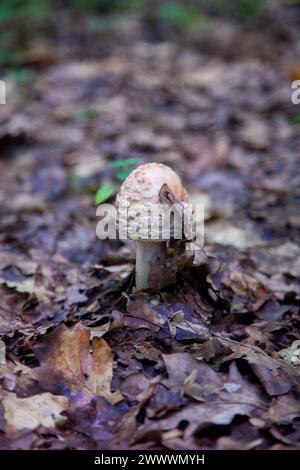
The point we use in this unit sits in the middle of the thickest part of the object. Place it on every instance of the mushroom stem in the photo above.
(146, 254)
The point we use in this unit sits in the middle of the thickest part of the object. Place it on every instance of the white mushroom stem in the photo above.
(146, 254)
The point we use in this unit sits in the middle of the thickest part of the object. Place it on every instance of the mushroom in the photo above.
(148, 187)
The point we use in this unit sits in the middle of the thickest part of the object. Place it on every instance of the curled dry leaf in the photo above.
(129, 423)
(284, 410)
(69, 367)
(223, 233)
(29, 413)
(178, 322)
(142, 314)
(291, 354)
(198, 417)
(17, 377)
(276, 376)
(194, 378)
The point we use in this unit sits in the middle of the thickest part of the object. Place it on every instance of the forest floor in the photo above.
(211, 362)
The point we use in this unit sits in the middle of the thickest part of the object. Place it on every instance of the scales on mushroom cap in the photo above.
(150, 204)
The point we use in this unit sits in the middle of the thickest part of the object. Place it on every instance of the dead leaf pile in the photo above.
(208, 358)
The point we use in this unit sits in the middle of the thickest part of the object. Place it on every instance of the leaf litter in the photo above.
(209, 358)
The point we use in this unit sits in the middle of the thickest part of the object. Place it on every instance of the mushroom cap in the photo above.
(142, 188)
(146, 181)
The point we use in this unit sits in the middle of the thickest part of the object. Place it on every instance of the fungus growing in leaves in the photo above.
(144, 214)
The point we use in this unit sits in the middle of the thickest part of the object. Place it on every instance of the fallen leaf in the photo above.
(277, 376)
(198, 417)
(291, 354)
(142, 314)
(194, 378)
(68, 366)
(223, 233)
(284, 410)
(256, 133)
(29, 413)
(179, 324)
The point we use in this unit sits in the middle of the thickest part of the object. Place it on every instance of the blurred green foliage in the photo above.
(104, 193)
(122, 168)
(249, 8)
(87, 114)
(240, 9)
(22, 75)
(295, 119)
(26, 11)
(125, 163)
(106, 6)
(177, 14)
(20, 20)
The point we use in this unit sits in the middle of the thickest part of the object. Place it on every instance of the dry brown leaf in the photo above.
(177, 320)
(198, 416)
(223, 233)
(277, 376)
(29, 413)
(284, 410)
(68, 365)
(291, 354)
